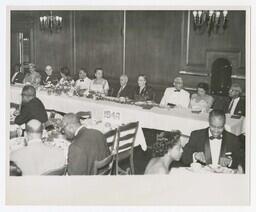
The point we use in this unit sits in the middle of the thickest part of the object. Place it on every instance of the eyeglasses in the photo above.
(24, 94)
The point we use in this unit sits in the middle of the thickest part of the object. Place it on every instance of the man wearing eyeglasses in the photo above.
(236, 105)
(31, 107)
(213, 145)
(176, 95)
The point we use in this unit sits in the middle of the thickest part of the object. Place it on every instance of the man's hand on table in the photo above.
(225, 161)
(199, 157)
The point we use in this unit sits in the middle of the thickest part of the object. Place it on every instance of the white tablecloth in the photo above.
(155, 118)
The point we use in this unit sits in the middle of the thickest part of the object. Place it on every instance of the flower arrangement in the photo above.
(65, 86)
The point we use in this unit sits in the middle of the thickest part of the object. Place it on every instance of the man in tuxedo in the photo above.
(123, 90)
(176, 95)
(213, 145)
(236, 105)
(87, 146)
(18, 75)
(36, 157)
(83, 83)
(31, 107)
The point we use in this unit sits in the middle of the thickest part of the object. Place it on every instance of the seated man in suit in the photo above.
(213, 145)
(37, 158)
(123, 90)
(176, 95)
(31, 107)
(236, 105)
(87, 146)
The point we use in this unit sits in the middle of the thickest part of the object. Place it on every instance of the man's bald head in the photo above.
(123, 80)
(71, 122)
(28, 93)
(48, 70)
(178, 83)
(235, 90)
(71, 118)
(34, 129)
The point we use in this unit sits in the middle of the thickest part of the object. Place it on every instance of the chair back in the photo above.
(126, 136)
(14, 169)
(111, 139)
(104, 167)
(58, 172)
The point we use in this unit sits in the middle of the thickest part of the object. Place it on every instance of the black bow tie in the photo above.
(81, 80)
(176, 90)
(218, 138)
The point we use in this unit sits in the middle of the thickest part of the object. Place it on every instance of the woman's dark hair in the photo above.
(96, 69)
(84, 70)
(204, 86)
(144, 76)
(165, 141)
(65, 70)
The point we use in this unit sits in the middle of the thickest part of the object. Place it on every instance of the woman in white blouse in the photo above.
(201, 100)
(99, 84)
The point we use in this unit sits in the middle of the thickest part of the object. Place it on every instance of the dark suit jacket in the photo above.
(45, 80)
(126, 92)
(18, 78)
(223, 103)
(34, 109)
(146, 94)
(87, 146)
(199, 142)
(240, 107)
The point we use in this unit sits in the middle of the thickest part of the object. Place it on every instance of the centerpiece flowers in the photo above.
(66, 87)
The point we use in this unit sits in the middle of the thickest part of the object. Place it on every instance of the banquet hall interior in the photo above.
(200, 49)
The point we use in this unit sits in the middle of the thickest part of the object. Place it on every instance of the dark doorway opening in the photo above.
(221, 72)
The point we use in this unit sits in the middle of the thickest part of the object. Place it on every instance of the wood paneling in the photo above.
(153, 44)
(54, 48)
(99, 41)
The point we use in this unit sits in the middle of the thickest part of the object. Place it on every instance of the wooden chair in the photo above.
(104, 167)
(125, 146)
(14, 169)
(58, 172)
(111, 139)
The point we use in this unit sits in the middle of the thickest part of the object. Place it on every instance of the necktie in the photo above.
(176, 90)
(218, 138)
(118, 94)
(81, 80)
(230, 105)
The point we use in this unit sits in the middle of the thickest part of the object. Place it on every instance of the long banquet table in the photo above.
(155, 118)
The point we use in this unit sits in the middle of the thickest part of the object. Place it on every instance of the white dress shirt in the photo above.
(215, 146)
(235, 102)
(178, 98)
(83, 83)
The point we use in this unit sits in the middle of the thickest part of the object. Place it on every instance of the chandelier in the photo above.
(214, 21)
(51, 23)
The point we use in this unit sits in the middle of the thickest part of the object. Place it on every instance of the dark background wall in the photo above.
(160, 44)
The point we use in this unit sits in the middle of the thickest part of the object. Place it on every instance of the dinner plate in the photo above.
(212, 169)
